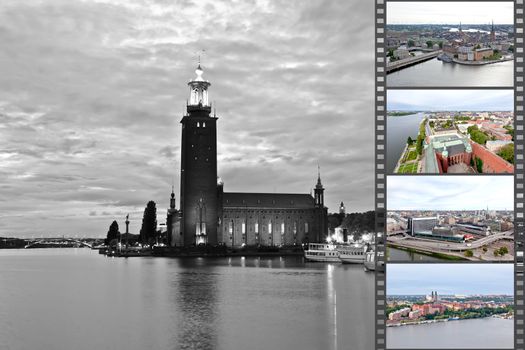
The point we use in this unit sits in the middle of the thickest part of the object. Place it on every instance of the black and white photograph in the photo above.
(187, 174)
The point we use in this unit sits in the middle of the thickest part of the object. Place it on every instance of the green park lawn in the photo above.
(407, 168)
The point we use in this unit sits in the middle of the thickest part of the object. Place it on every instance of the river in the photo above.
(398, 129)
(484, 333)
(436, 73)
(395, 255)
(77, 299)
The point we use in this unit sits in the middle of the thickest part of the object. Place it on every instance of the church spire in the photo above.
(319, 184)
(319, 190)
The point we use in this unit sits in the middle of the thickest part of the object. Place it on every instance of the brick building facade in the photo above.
(492, 163)
(211, 216)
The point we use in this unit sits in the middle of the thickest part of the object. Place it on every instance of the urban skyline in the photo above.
(435, 12)
(99, 90)
(450, 100)
(450, 192)
(450, 279)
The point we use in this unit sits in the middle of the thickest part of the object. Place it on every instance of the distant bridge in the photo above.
(410, 61)
(55, 241)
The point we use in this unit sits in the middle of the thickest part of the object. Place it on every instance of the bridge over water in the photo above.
(410, 61)
(55, 241)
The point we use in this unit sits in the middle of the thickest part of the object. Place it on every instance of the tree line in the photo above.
(148, 231)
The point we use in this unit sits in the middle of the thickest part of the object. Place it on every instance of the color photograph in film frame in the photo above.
(383, 55)
(449, 44)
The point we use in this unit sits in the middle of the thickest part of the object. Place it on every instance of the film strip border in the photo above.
(380, 180)
(519, 318)
(380, 175)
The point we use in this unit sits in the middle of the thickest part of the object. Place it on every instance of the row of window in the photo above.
(264, 217)
(264, 211)
(230, 227)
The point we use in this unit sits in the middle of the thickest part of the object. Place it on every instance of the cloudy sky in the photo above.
(450, 192)
(450, 12)
(93, 92)
(449, 279)
(450, 100)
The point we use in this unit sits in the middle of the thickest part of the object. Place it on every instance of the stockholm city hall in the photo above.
(210, 216)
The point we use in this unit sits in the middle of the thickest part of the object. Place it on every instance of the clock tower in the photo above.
(199, 202)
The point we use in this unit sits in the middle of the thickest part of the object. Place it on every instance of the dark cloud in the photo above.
(93, 94)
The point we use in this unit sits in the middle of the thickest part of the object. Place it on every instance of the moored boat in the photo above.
(370, 263)
(325, 252)
(352, 253)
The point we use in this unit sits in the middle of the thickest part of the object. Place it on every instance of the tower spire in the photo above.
(172, 199)
(319, 190)
(319, 176)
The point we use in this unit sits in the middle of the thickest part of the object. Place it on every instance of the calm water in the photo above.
(485, 333)
(436, 73)
(78, 299)
(398, 129)
(395, 254)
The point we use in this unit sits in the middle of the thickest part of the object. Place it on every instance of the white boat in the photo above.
(370, 263)
(325, 252)
(353, 253)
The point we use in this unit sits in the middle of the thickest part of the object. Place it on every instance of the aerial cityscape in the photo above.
(472, 132)
(443, 305)
(450, 50)
(455, 219)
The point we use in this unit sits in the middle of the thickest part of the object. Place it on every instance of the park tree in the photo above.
(469, 253)
(507, 152)
(419, 144)
(411, 43)
(430, 44)
(113, 233)
(477, 135)
(440, 44)
(334, 220)
(410, 141)
(358, 223)
(149, 224)
(479, 165)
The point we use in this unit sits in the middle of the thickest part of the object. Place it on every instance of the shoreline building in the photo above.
(443, 151)
(210, 216)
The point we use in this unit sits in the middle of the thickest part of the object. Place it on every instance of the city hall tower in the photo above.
(198, 199)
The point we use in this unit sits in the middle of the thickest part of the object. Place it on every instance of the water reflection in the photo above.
(196, 300)
(436, 73)
(155, 303)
